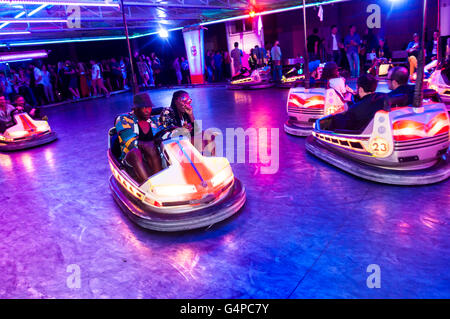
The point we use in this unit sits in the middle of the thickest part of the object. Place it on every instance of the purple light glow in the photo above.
(23, 55)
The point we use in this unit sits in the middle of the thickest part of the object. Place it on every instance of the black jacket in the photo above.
(358, 116)
(404, 89)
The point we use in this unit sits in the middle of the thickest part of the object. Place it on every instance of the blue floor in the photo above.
(308, 231)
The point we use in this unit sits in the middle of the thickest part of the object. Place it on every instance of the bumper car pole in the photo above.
(307, 79)
(418, 93)
(134, 85)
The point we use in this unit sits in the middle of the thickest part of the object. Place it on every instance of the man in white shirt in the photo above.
(333, 45)
(38, 88)
(275, 52)
(97, 80)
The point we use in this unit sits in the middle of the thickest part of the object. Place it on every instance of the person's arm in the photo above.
(39, 76)
(166, 118)
(125, 130)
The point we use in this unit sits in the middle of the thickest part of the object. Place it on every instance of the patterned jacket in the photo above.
(128, 131)
(170, 118)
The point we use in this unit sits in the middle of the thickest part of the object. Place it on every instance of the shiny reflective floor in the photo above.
(307, 231)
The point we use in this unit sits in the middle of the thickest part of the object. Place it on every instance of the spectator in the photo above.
(156, 66)
(226, 65)
(144, 71)
(333, 46)
(6, 86)
(83, 76)
(97, 80)
(252, 60)
(433, 47)
(185, 71)
(368, 45)
(116, 75)
(209, 66)
(177, 67)
(151, 78)
(352, 43)
(218, 60)
(47, 85)
(38, 86)
(313, 42)
(105, 67)
(275, 53)
(70, 72)
(6, 110)
(413, 52)
(236, 55)
(62, 82)
(123, 70)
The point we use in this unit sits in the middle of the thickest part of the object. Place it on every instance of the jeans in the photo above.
(210, 74)
(336, 57)
(353, 61)
(277, 73)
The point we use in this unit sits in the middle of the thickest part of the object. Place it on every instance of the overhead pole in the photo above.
(418, 92)
(306, 65)
(134, 86)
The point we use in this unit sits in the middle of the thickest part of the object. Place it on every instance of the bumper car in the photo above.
(305, 106)
(439, 82)
(400, 146)
(192, 191)
(250, 80)
(24, 133)
(292, 78)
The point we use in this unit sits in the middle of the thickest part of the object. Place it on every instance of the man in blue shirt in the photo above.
(275, 52)
(352, 43)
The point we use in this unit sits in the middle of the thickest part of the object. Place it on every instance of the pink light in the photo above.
(33, 20)
(23, 55)
(14, 32)
(63, 3)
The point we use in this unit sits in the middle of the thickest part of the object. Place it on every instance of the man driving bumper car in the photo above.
(136, 134)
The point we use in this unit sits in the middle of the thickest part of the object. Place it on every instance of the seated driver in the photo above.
(22, 106)
(180, 114)
(136, 134)
(331, 74)
(398, 82)
(359, 115)
(6, 111)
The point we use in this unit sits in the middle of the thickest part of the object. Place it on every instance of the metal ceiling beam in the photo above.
(182, 5)
(61, 3)
(132, 18)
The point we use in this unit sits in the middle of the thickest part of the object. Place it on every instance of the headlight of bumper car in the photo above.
(18, 134)
(223, 177)
(174, 190)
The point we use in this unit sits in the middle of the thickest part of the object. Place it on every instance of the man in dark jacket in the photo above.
(398, 82)
(359, 115)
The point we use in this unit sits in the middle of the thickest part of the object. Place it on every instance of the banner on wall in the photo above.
(193, 40)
